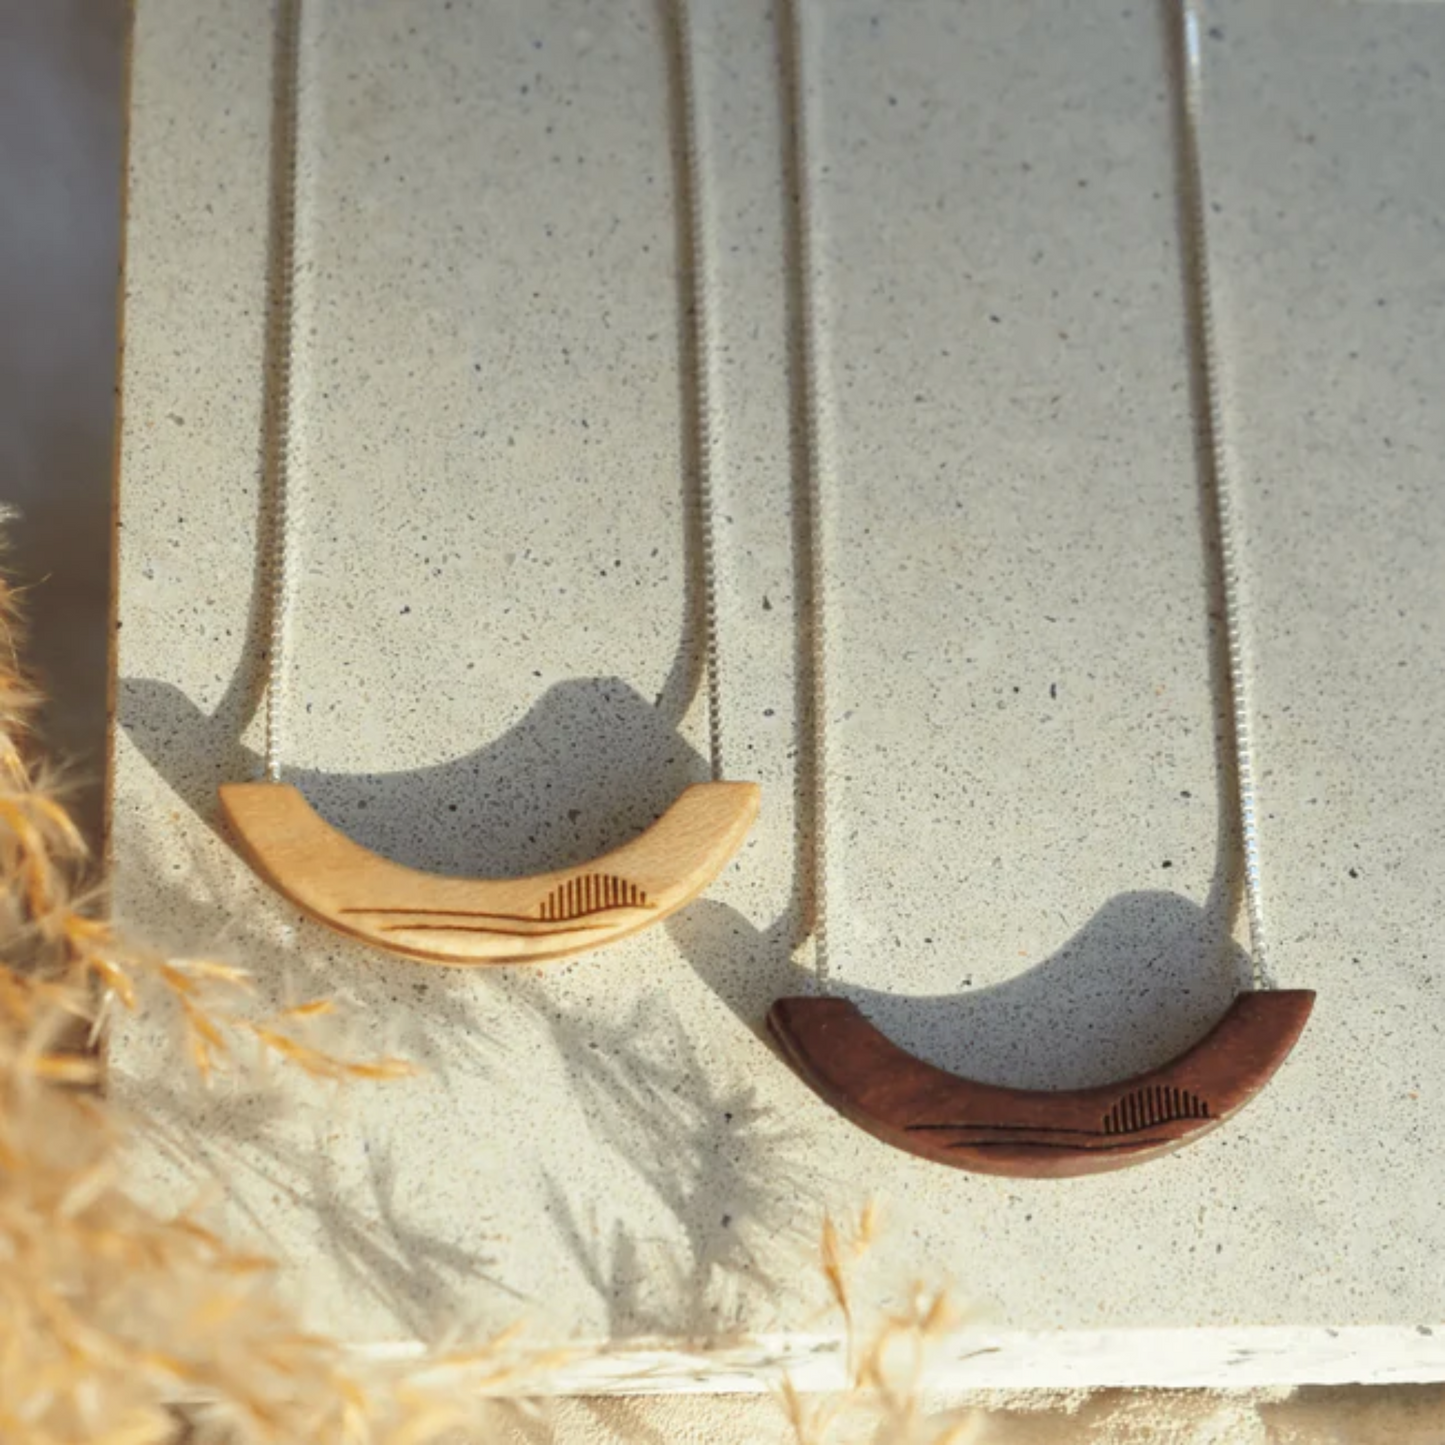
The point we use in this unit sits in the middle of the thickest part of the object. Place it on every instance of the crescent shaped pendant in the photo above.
(1037, 1133)
(488, 920)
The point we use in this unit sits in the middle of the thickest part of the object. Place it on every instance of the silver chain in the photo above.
(700, 308)
(281, 394)
(1217, 483)
(278, 512)
(814, 527)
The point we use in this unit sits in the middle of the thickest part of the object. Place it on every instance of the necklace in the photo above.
(959, 1121)
(473, 920)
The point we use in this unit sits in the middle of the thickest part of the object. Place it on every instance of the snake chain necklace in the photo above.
(426, 915)
(946, 1117)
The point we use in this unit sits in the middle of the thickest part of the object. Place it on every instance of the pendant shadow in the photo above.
(1137, 984)
(588, 767)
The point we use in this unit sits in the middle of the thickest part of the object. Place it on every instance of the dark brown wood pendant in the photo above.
(1031, 1133)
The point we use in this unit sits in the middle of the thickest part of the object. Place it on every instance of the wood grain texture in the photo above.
(486, 920)
(1037, 1133)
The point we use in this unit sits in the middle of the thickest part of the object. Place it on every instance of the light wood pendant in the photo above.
(488, 920)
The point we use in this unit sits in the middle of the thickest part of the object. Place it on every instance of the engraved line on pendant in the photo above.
(1119, 1145)
(480, 913)
(577, 898)
(568, 927)
(1141, 1109)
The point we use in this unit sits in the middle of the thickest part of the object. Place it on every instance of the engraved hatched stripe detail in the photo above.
(591, 893)
(1155, 1104)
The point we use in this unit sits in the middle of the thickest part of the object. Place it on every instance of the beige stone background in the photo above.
(61, 144)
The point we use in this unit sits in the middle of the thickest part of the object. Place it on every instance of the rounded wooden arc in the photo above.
(1028, 1132)
(488, 920)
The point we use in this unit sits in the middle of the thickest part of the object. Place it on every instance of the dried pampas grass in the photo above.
(108, 1312)
(883, 1402)
(120, 1326)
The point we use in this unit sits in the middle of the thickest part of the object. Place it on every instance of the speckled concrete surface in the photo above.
(493, 669)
